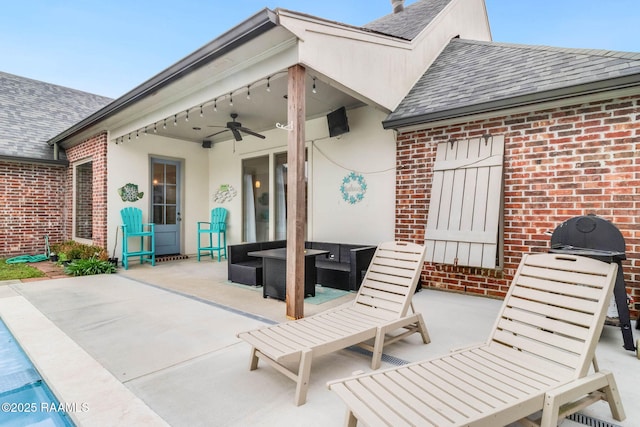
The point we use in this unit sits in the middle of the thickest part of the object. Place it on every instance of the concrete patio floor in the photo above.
(157, 346)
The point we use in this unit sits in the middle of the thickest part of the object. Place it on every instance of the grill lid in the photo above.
(588, 235)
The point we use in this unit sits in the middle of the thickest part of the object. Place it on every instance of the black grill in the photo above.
(597, 238)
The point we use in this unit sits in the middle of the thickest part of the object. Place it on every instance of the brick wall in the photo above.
(559, 163)
(30, 199)
(95, 149)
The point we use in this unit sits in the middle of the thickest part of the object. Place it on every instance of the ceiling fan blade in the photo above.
(250, 132)
(236, 134)
(217, 133)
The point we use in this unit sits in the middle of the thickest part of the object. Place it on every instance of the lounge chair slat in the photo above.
(585, 292)
(542, 367)
(457, 384)
(510, 371)
(572, 277)
(570, 316)
(382, 278)
(479, 380)
(392, 270)
(533, 347)
(511, 384)
(420, 399)
(447, 393)
(556, 300)
(367, 410)
(544, 322)
(544, 337)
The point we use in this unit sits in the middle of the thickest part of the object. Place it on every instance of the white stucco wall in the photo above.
(367, 149)
(378, 68)
(129, 162)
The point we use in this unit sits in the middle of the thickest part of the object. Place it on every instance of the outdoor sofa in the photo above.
(343, 267)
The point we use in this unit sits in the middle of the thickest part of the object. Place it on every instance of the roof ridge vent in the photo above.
(398, 5)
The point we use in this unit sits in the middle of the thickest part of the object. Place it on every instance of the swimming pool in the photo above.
(25, 399)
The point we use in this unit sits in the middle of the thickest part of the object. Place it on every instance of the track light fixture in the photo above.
(201, 112)
(231, 99)
(175, 120)
(215, 104)
(248, 92)
(186, 118)
(269, 84)
(314, 86)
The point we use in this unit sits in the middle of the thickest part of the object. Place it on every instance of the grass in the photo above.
(18, 271)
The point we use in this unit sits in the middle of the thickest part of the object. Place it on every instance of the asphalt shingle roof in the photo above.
(469, 73)
(32, 112)
(411, 21)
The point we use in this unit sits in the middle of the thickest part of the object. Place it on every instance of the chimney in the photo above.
(398, 5)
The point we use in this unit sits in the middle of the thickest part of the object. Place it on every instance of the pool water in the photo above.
(25, 398)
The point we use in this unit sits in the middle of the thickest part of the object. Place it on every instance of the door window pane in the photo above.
(171, 195)
(255, 190)
(165, 193)
(281, 194)
(170, 217)
(171, 175)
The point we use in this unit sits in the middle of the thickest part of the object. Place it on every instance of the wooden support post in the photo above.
(296, 213)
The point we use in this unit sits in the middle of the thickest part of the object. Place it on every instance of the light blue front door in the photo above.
(165, 209)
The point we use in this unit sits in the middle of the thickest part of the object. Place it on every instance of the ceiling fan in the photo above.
(236, 128)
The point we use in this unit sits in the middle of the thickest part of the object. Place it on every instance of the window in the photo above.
(464, 226)
(83, 181)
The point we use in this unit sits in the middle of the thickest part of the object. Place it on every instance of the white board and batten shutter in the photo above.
(465, 209)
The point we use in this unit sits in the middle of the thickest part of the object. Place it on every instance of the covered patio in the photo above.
(163, 345)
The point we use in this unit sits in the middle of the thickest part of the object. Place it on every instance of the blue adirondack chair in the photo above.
(217, 226)
(133, 227)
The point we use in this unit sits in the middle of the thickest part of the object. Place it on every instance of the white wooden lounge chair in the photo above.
(380, 307)
(536, 359)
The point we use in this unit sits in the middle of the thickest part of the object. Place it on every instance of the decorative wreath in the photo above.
(353, 188)
(225, 193)
(130, 193)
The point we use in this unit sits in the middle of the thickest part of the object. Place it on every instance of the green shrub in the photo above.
(71, 250)
(89, 266)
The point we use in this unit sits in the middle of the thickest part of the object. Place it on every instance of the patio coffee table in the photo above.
(274, 271)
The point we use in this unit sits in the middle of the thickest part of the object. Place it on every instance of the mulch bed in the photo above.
(50, 269)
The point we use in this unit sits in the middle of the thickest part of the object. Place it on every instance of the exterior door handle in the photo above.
(179, 218)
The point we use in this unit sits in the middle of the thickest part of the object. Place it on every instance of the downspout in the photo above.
(56, 151)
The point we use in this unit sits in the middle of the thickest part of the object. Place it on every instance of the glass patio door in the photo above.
(264, 217)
